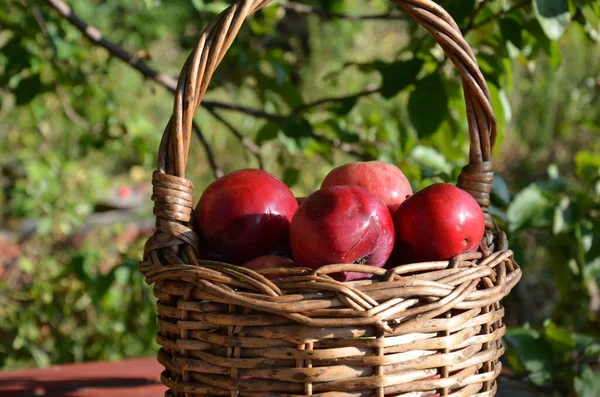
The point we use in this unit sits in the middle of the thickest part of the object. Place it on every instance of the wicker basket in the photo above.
(422, 329)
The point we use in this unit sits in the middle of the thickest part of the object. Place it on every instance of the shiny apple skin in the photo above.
(243, 215)
(269, 262)
(437, 223)
(384, 180)
(342, 224)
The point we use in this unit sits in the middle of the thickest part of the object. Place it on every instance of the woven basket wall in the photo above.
(422, 329)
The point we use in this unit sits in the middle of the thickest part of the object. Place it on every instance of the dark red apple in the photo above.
(244, 215)
(437, 223)
(384, 180)
(269, 262)
(342, 224)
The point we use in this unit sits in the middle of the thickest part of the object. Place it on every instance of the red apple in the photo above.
(342, 224)
(243, 215)
(269, 262)
(384, 180)
(437, 223)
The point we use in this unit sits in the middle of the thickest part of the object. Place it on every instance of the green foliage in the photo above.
(553, 15)
(68, 309)
(553, 357)
(75, 122)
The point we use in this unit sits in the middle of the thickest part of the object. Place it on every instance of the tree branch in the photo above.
(210, 156)
(71, 113)
(300, 8)
(371, 89)
(139, 64)
(166, 81)
(344, 147)
(170, 83)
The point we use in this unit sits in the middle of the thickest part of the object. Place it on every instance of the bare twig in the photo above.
(242, 109)
(367, 91)
(166, 81)
(39, 18)
(300, 8)
(244, 140)
(138, 63)
(71, 113)
(210, 156)
(344, 147)
(170, 83)
(96, 36)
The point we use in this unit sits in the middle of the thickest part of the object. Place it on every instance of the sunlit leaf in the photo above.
(428, 105)
(529, 207)
(553, 16)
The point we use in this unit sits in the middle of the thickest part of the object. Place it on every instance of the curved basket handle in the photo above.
(476, 178)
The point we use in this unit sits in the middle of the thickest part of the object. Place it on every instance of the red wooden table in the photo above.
(131, 378)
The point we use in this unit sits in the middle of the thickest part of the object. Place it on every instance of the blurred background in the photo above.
(306, 86)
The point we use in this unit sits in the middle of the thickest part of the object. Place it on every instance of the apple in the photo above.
(342, 224)
(243, 215)
(437, 223)
(384, 180)
(269, 262)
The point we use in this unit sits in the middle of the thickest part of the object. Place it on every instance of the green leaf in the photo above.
(491, 67)
(553, 16)
(41, 357)
(334, 5)
(290, 176)
(344, 107)
(500, 195)
(533, 352)
(296, 133)
(214, 7)
(593, 350)
(27, 89)
(459, 10)
(26, 265)
(562, 340)
(398, 75)
(512, 31)
(588, 383)
(340, 129)
(529, 207)
(583, 341)
(587, 165)
(428, 105)
(591, 13)
(563, 216)
(82, 268)
(266, 133)
(122, 275)
(550, 47)
(297, 127)
(502, 109)
(429, 157)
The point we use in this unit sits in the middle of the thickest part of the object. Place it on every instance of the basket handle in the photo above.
(476, 178)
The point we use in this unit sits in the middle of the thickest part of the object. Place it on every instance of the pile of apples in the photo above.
(365, 212)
